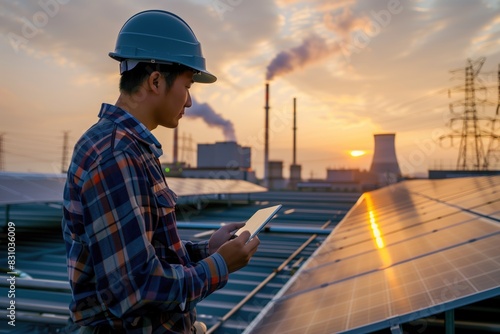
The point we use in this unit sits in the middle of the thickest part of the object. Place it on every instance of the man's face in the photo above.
(174, 100)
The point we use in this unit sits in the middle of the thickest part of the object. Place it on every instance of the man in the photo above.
(128, 269)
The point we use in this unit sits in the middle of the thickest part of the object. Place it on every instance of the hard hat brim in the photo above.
(204, 77)
(201, 75)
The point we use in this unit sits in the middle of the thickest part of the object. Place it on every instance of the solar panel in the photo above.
(402, 253)
(17, 188)
(399, 294)
(189, 187)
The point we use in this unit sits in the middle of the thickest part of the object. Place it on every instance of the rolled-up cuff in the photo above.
(217, 272)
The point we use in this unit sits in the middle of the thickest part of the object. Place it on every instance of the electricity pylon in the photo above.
(469, 126)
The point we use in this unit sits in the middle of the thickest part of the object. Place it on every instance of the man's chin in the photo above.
(171, 125)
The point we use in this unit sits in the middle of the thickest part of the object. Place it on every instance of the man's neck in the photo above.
(137, 107)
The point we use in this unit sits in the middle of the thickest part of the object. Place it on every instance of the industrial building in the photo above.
(224, 155)
(222, 160)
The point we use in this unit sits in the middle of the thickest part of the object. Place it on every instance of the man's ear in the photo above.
(154, 81)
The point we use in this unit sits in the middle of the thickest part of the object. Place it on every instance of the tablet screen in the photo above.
(259, 219)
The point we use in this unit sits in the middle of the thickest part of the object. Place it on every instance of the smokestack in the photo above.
(294, 131)
(384, 158)
(266, 139)
(176, 145)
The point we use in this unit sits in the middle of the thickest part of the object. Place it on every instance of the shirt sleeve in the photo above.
(197, 251)
(119, 220)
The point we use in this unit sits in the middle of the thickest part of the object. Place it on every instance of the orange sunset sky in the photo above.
(356, 68)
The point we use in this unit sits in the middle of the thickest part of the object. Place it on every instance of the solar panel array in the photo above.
(402, 253)
(17, 188)
(200, 187)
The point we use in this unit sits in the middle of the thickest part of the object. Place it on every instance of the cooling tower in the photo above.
(384, 158)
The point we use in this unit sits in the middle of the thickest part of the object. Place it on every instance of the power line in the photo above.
(35, 150)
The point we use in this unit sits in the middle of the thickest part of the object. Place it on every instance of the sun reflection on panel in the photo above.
(377, 234)
(375, 230)
(396, 293)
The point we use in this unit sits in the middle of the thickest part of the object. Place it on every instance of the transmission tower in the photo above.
(467, 125)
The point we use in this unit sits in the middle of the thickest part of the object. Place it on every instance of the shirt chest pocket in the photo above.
(166, 240)
(165, 199)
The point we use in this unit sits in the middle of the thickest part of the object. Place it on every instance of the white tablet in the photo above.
(259, 219)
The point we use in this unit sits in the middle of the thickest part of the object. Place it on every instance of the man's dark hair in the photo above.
(131, 80)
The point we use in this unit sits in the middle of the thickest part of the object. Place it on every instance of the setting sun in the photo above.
(357, 153)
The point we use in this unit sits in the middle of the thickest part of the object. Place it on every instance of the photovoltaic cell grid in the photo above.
(29, 188)
(17, 188)
(402, 253)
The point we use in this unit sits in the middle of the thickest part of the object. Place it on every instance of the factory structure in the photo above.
(230, 160)
(221, 160)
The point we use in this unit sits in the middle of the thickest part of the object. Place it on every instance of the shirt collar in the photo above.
(129, 123)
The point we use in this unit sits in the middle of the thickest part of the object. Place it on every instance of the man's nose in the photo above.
(189, 102)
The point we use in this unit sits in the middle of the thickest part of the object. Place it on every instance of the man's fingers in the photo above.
(235, 226)
(253, 244)
(244, 236)
(232, 227)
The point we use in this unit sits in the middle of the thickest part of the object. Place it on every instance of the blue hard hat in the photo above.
(158, 36)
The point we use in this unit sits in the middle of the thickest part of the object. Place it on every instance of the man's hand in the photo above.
(237, 252)
(222, 235)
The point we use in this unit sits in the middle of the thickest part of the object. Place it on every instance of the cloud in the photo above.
(241, 36)
(487, 38)
(421, 36)
(344, 23)
(64, 34)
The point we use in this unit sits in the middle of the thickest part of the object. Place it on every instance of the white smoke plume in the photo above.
(213, 119)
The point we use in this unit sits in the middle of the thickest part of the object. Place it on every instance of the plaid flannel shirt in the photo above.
(128, 268)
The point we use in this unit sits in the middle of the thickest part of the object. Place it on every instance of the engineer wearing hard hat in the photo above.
(129, 270)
